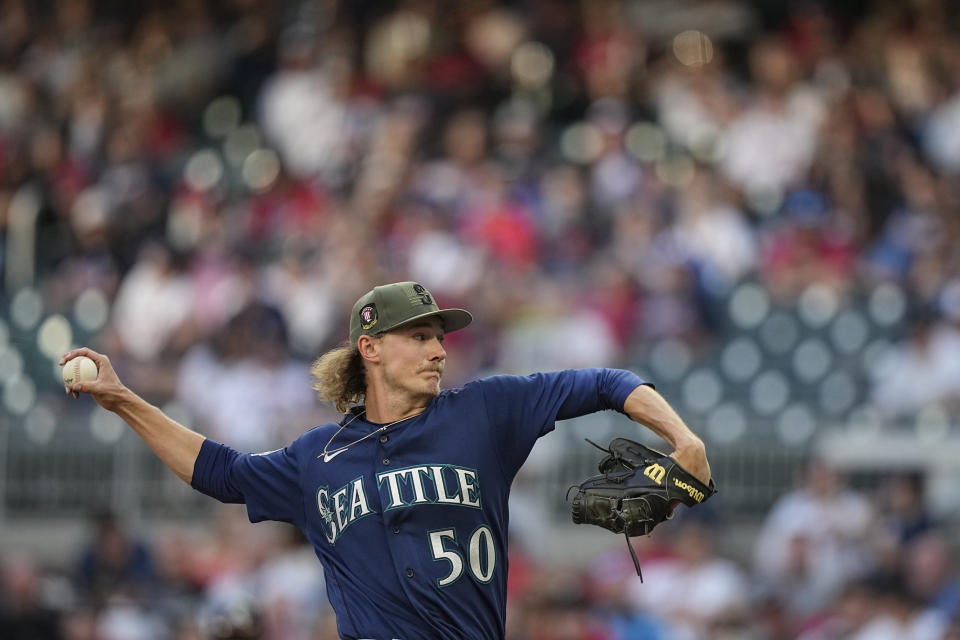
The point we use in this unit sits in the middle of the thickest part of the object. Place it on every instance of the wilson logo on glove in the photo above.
(655, 472)
(630, 496)
(694, 493)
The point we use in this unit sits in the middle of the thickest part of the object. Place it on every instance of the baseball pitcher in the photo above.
(405, 498)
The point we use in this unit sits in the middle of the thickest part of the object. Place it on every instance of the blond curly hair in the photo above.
(339, 377)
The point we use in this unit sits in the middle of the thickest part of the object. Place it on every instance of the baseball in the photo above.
(79, 369)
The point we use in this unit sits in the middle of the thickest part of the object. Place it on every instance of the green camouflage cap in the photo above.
(390, 305)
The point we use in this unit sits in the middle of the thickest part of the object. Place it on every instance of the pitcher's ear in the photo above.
(369, 347)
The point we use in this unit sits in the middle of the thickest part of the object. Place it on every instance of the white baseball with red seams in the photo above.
(79, 369)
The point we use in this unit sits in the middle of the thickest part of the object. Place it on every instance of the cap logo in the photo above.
(368, 316)
(422, 294)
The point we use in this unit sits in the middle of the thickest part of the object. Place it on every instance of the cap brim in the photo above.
(452, 319)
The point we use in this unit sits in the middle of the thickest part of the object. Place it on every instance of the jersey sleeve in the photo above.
(523, 408)
(268, 483)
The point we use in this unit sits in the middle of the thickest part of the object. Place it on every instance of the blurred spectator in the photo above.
(846, 615)
(440, 259)
(716, 233)
(558, 609)
(503, 228)
(291, 590)
(265, 584)
(871, 610)
(24, 614)
(903, 514)
(807, 248)
(920, 371)
(813, 541)
(930, 573)
(611, 582)
(302, 106)
(558, 314)
(606, 55)
(114, 563)
(898, 614)
(244, 388)
(239, 620)
(153, 303)
(698, 594)
(300, 288)
(771, 144)
(615, 175)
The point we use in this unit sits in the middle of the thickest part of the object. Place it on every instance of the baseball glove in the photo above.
(638, 489)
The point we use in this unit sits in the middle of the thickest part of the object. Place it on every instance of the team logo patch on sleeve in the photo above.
(368, 316)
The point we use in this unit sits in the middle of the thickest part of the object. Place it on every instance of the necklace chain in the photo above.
(325, 455)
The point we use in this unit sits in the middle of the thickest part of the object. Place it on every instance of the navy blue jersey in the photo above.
(411, 525)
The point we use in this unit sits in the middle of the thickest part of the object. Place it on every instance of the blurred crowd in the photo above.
(830, 562)
(226, 177)
(598, 174)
